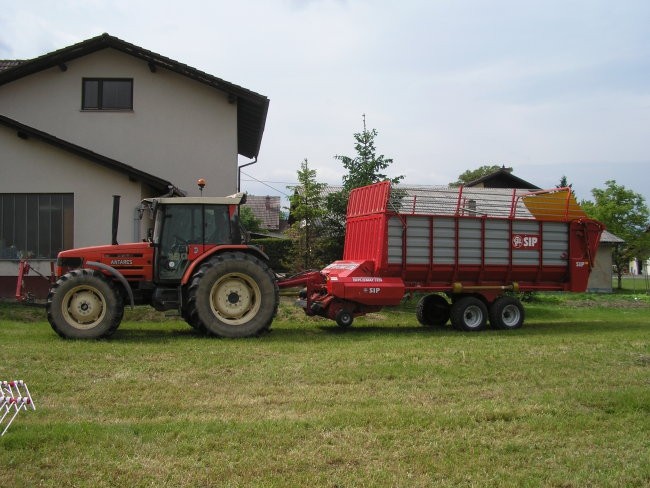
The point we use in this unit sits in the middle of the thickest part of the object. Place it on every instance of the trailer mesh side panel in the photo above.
(493, 249)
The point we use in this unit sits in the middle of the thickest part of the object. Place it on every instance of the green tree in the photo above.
(248, 219)
(474, 174)
(625, 214)
(306, 216)
(564, 183)
(365, 168)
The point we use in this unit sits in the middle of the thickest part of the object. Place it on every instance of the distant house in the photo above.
(266, 209)
(105, 117)
(600, 279)
(639, 266)
(502, 178)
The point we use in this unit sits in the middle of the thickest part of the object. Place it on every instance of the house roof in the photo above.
(608, 237)
(502, 178)
(9, 63)
(265, 208)
(25, 132)
(252, 107)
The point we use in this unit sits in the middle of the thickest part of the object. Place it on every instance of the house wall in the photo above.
(600, 279)
(179, 129)
(639, 267)
(32, 166)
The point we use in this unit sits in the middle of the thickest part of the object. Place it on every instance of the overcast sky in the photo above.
(550, 88)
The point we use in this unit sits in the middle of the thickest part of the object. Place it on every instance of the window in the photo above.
(217, 224)
(107, 94)
(35, 225)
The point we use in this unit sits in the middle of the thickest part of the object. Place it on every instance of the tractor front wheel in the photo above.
(233, 295)
(82, 304)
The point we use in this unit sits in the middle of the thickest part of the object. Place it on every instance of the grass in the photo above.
(562, 402)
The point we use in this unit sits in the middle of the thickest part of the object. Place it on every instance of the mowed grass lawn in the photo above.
(564, 402)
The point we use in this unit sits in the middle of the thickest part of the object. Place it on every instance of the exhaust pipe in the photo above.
(116, 219)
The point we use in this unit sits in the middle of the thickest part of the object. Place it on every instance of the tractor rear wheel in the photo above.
(82, 304)
(469, 314)
(192, 320)
(432, 310)
(233, 295)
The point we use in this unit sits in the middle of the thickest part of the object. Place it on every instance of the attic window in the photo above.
(107, 94)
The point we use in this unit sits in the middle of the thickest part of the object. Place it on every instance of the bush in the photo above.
(277, 250)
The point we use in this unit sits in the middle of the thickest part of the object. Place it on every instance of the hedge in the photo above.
(277, 250)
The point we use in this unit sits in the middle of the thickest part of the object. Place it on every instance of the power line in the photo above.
(276, 182)
(265, 184)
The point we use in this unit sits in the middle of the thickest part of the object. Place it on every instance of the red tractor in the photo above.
(194, 262)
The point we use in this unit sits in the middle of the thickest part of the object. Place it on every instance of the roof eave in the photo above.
(25, 132)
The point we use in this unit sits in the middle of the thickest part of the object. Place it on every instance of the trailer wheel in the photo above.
(506, 313)
(344, 318)
(82, 304)
(432, 310)
(469, 314)
(233, 295)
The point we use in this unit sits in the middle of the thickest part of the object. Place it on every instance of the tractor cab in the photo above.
(187, 227)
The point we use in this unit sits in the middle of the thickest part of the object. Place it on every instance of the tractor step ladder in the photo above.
(14, 397)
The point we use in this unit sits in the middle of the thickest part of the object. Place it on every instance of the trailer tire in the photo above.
(469, 314)
(82, 304)
(233, 295)
(344, 318)
(432, 310)
(507, 313)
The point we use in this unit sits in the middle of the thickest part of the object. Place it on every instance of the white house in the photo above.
(105, 117)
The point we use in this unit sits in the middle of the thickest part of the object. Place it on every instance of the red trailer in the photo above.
(466, 248)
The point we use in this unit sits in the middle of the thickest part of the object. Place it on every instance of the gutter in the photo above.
(239, 173)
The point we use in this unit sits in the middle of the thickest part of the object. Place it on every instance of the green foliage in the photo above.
(333, 231)
(278, 250)
(626, 215)
(365, 168)
(474, 174)
(564, 183)
(248, 220)
(306, 215)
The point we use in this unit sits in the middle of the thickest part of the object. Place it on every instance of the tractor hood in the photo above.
(115, 256)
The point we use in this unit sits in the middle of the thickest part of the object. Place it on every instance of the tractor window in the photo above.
(217, 224)
(181, 225)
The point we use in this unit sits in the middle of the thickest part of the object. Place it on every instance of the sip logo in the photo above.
(526, 241)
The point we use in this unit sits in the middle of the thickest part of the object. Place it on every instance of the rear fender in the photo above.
(219, 250)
